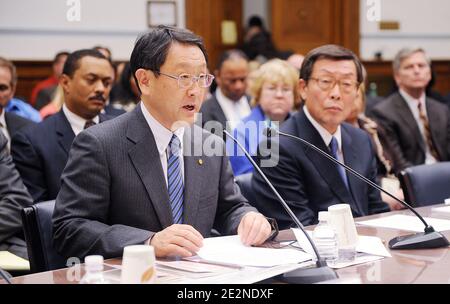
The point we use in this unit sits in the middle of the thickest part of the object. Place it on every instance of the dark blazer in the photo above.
(40, 153)
(401, 130)
(14, 123)
(114, 193)
(113, 112)
(212, 111)
(13, 198)
(310, 183)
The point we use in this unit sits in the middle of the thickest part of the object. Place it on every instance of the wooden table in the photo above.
(405, 266)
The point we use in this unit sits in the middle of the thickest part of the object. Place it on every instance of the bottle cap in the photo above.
(94, 262)
(323, 216)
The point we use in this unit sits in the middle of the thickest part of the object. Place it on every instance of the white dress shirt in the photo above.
(234, 110)
(4, 129)
(76, 122)
(162, 138)
(413, 106)
(327, 136)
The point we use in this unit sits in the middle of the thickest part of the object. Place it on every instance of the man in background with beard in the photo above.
(40, 152)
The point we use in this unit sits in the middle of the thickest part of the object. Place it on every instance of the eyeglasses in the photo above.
(187, 80)
(346, 86)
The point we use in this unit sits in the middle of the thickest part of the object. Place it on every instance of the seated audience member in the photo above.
(417, 126)
(55, 104)
(8, 82)
(49, 83)
(13, 198)
(40, 152)
(309, 182)
(229, 104)
(383, 154)
(274, 90)
(10, 123)
(258, 44)
(125, 94)
(132, 180)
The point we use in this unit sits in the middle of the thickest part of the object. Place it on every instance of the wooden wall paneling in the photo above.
(204, 18)
(29, 74)
(301, 25)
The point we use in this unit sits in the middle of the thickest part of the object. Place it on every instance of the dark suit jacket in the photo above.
(14, 123)
(212, 111)
(401, 130)
(40, 153)
(114, 193)
(13, 198)
(310, 183)
(113, 112)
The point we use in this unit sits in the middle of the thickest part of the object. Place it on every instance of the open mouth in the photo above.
(189, 107)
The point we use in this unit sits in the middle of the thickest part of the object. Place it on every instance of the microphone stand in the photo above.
(303, 275)
(423, 240)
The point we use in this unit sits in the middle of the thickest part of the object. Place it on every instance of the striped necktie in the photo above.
(334, 149)
(175, 180)
(89, 123)
(427, 131)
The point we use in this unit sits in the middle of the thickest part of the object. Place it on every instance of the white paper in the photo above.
(372, 245)
(367, 244)
(407, 222)
(445, 209)
(230, 250)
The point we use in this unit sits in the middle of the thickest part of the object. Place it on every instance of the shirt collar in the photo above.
(76, 122)
(162, 134)
(326, 136)
(412, 102)
(3, 118)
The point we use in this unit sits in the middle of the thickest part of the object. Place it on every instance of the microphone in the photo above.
(303, 275)
(423, 240)
(5, 276)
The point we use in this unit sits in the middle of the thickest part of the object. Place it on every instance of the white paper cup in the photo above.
(341, 219)
(138, 265)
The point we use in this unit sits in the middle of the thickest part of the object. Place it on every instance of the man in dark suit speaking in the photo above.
(329, 80)
(143, 177)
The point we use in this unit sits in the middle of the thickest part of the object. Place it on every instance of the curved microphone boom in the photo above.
(304, 275)
(427, 239)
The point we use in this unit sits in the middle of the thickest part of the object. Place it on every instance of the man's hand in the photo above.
(177, 240)
(254, 229)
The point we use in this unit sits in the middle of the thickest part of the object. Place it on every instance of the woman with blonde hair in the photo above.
(274, 92)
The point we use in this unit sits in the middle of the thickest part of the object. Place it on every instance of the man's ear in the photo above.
(64, 81)
(303, 88)
(144, 79)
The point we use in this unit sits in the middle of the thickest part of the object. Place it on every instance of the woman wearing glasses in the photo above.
(275, 94)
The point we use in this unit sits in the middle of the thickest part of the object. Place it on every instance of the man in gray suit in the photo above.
(13, 198)
(142, 178)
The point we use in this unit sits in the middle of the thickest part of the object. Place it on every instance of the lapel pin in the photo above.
(200, 161)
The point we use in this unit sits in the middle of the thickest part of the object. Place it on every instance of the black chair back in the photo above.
(426, 185)
(38, 230)
(244, 182)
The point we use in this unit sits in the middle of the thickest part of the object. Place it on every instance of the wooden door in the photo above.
(204, 18)
(301, 25)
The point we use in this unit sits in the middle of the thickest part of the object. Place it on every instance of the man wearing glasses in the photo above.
(329, 81)
(145, 178)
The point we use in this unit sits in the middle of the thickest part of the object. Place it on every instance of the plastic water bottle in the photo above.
(94, 270)
(325, 239)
